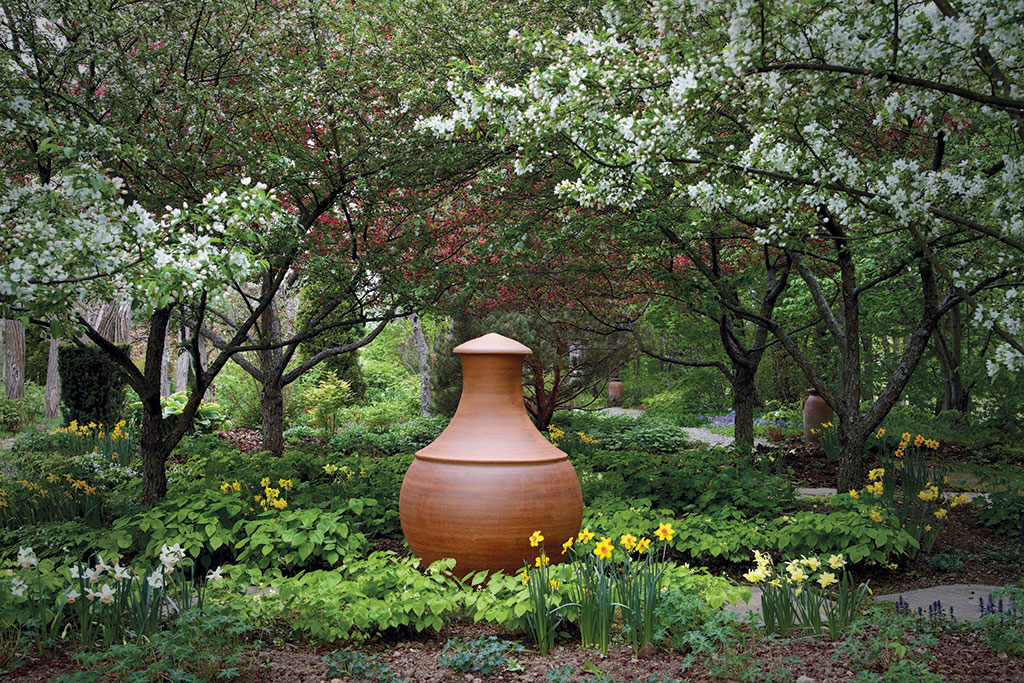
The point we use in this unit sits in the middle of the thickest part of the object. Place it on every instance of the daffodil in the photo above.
(524, 577)
(811, 562)
(585, 536)
(854, 494)
(536, 539)
(875, 488)
(627, 541)
(880, 433)
(540, 561)
(553, 584)
(827, 579)
(643, 544)
(876, 516)
(756, 575)
(665, 531)
(836, 561)
(940, 513)
(876, 474)
(604, 548)
(567, 545)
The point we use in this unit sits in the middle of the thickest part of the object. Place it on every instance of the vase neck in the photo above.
(492, 383)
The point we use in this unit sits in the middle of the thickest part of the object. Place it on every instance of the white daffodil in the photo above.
(27, 558)
(18, 587)
(106, 594)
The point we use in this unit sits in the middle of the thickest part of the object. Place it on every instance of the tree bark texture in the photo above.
(419, 342)
(52, 399)
(15, 351)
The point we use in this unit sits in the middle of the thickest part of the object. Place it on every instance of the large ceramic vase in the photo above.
(614, 391)
(816, 413)
(490, 479)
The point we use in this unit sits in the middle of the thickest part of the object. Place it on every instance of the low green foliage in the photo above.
(847, 531)
(481, 655)
(883, 646)
(196, 647)
(1004, 510)
(1002, 623)
(356, 664)
(353, 602)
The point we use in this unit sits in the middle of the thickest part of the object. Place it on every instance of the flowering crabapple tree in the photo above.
(838, 131)
(77, 239)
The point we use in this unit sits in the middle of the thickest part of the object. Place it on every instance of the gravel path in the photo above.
(701, 434)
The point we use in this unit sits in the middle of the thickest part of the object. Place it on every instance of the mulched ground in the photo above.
(958, 656)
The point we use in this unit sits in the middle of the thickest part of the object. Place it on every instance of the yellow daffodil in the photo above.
(756, 575)
(643, 544)
(854, 494)
(604, 548)
(827, 579)
(265, 482)
(959, 500)
(286, 484)
(585, 536)
(880, 433)
(541, 561)
(875, 488)
(524, 577)
(811, 562)
(876, 516)
(535, 539)
(553, 584)
(940, 513)
(876, 474)
(665, 531)
(906, 436)
(927, 527)
(567, 545)
(627, 541)
(225, 487)
(235, 486)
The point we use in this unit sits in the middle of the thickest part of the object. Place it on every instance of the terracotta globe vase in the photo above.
(490, 479)
(816, 413)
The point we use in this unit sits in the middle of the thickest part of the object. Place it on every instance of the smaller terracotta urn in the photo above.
(490, 479)
(816, 413)
(614, 391)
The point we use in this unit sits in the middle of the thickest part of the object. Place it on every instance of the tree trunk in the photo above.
(272, 411)
(122, 326)
(272, 395)
(165, 377)
(851, 457)
(154, 448)
(948, 353)
(52, 401)
(204, 357)
(15, 375)
(181, 367)
(419, 342)
(744, 398)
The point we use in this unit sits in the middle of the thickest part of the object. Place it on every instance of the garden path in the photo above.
(701, 434)
(960, 600)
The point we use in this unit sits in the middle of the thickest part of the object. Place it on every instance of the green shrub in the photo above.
(1004, 510)
(326, 399)
(698, 480)
(92, 389)
(846, 531)
(354, 602)
(356, 664)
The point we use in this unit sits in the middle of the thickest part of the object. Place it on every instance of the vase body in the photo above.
(490, 479)
(614, 391)
(816, 413)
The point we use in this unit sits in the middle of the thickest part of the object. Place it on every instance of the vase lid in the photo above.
(492, 343)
